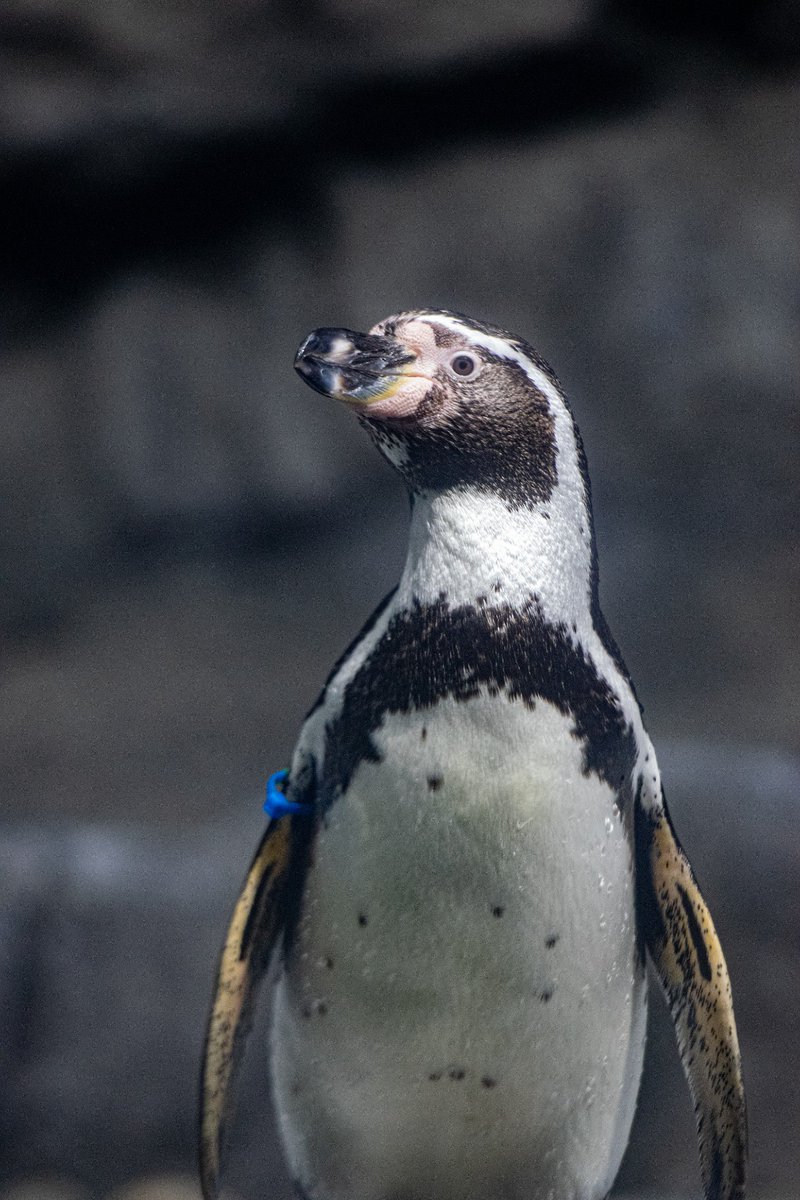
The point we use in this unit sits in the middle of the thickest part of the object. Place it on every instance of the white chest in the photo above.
(462, 1014)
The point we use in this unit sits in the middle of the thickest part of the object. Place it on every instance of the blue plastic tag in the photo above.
(277, 805)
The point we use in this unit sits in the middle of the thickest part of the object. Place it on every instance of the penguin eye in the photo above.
(465, 366)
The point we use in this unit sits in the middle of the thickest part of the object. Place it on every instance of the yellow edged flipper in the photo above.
(257, 923)
(688, 959)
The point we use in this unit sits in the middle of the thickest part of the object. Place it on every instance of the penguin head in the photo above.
(451, 402)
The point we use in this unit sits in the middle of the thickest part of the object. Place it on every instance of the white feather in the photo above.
(434, 983)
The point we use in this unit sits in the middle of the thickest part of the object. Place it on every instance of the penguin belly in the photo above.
(462, 1010)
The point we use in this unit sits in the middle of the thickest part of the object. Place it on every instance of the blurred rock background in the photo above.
(189, 537)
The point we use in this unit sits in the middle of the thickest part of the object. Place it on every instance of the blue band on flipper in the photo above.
(277, 805)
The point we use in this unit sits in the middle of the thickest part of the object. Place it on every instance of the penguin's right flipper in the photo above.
(687, 956)
(257, 923)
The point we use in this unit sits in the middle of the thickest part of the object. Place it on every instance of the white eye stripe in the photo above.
(500, 348)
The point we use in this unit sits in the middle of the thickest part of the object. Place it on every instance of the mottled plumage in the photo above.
(487, 854)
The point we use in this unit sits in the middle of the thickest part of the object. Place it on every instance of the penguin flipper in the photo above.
(258, 921)
(686, 953)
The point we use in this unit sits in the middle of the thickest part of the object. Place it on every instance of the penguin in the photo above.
(470, 857)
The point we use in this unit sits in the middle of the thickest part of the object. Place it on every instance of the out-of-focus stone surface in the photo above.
(150, 1187)
(189, 537)
(170, 699)
(143, 66)
(110, 938)
(164, 1187)
(45, 1187)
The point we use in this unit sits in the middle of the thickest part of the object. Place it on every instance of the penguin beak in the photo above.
(358, 368)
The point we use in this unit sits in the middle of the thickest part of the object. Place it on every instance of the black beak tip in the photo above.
(309, 362)
(311, 345)
(302, 364)
(334, 361)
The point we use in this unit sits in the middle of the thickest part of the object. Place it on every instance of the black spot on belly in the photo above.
(434, 782)
(362, 919)
(488, 1082)
(551, 941)
(424, 733)
(498, 910)
(435, 1076)
(456, 1073)
(329, 963)
(431, 652)
(546, 995)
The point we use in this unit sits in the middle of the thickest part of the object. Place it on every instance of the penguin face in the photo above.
(452, 403)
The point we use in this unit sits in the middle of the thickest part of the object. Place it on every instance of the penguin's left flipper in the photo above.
(688, 959)
(256, 925)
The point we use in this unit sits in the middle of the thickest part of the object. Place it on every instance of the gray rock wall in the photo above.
(189, 537)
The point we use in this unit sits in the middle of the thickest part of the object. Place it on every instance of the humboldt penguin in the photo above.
(470, 856)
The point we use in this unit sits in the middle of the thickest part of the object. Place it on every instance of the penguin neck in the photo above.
(468, 547)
